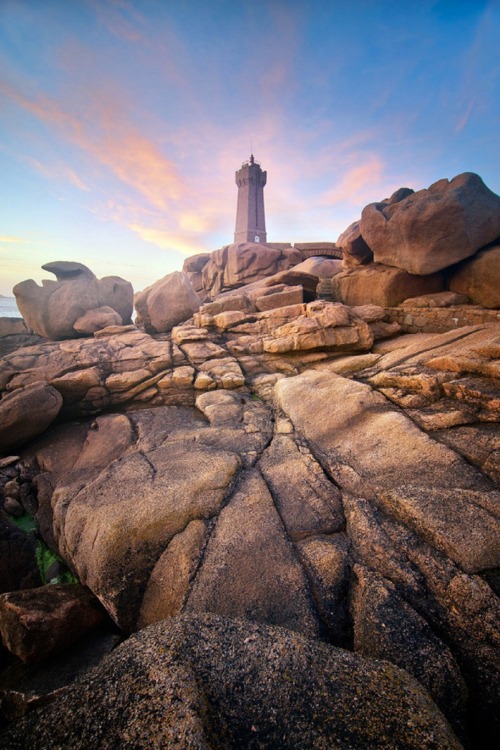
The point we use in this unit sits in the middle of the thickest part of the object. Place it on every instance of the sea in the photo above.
(8, 308)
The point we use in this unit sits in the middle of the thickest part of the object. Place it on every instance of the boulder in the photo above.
(382, 285)
(439, 299)
(434, 228)
(35, 623)
(166, 303)
(52, 309)
(479, 278)
(242, 263)
(27, 413)
(96, 320)
(355, 251)
(194, 266)
(205, 681)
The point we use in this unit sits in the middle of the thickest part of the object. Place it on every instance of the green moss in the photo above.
(45, 557)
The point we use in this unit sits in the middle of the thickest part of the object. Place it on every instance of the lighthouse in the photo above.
(250, 218)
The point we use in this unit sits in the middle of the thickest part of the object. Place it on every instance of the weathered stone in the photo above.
(24, 686)
(434, 228)
(461, 523)
(359, 429)
(192, 680)
(95, 320)
(167, 302)
(25, 414)
(138, 502)
(36, 623)
(355, 251)
(307, 502)
(440, 299)
(242, 263)
(479, 278)
(52, 309)
(327, 566)
(249, 567)
(386, 627)
(381, 285)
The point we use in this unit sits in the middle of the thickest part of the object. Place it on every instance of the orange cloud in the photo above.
(167, 240)
(114, 143)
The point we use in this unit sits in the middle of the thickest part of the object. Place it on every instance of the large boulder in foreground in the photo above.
(191, 683)
(166, 303)
(53, 309)
(434, 228)
(479, 278)
(382, 285)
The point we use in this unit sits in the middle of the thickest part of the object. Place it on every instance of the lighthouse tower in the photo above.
(250, 218)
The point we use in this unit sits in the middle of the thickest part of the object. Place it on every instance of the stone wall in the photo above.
(440, 319)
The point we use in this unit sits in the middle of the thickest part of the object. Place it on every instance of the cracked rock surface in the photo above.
(279, 467)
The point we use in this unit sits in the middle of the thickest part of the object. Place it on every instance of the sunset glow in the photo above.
(123, 121)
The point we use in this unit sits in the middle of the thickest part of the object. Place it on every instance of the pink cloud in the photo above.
(113, 142)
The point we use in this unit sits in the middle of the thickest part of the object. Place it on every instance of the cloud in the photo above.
(167, 240)
(462, 122)
(359, 184)
(113, 142)
(58, 171)
(112, 14)
(12, 240)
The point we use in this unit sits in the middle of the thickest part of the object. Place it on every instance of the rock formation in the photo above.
(421, 234)
(60, 309)
(197, 680)
(434, 228)
(295, 502)
(166, 303)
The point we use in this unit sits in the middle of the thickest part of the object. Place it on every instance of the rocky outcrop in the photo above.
(334, 485)
(53, 309)
(479, 278)
(355, 250)
(242, 263)
(433, 228)
(166, 303)
(190, 683)
(193, 267)
(382, 285)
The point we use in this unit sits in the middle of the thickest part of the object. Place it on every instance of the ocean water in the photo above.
(8, 308)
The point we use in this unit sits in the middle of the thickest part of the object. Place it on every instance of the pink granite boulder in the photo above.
(435, 228)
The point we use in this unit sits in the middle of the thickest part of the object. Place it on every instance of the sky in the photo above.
(122, 122)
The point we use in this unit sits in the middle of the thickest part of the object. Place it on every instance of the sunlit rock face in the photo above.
(479, 278)
(53, 309)
(166, 303)
(432, 229)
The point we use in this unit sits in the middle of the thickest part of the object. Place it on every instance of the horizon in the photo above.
(124, 121)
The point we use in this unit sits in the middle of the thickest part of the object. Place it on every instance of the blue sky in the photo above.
(122, 122)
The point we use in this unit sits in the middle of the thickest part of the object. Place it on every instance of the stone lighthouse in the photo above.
(250, 218)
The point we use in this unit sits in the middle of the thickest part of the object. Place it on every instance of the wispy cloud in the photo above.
(113, 142)
(359, 184)
(12, 240)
